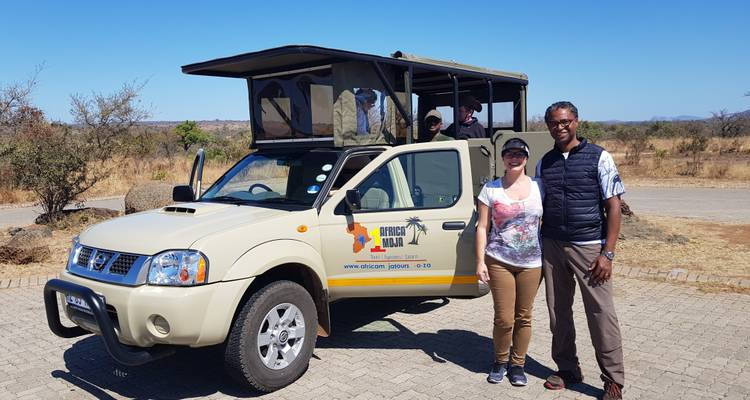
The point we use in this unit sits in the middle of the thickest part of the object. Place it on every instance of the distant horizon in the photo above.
(628, 62)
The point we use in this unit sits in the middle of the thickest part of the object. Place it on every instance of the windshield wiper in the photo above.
(280, 200)
(228, 199)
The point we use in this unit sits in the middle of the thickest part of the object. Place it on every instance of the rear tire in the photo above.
(273, 337)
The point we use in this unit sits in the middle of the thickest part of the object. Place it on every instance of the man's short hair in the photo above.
(560, 104)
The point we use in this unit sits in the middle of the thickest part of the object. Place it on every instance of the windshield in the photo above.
(288, 179)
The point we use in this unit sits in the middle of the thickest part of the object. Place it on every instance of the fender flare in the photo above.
(268, 255)
(286, 253)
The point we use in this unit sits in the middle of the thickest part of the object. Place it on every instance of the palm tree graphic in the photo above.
(422, 228)
(416, 225)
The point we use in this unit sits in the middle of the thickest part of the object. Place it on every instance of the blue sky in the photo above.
(624, 60)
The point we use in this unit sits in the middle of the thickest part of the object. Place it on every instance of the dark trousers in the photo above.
(565, 263)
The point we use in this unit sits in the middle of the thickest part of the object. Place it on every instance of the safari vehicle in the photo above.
(336, 200)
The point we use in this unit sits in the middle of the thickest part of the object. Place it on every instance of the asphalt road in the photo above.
(722, 205)
(23, 216)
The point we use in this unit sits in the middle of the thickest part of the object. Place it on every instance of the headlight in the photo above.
(73, 253)
(178, 268)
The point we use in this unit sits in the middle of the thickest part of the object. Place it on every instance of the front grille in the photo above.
(101, 259)
(122, 264)
(83, 256)
(108, 266)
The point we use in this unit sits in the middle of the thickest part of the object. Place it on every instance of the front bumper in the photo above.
(196, 316)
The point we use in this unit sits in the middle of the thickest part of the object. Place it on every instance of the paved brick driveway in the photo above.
(680, 343)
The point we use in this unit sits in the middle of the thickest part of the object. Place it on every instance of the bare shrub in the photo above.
(635, 139)
(536, 124)
(15, 101)
(106, 120)
(694, 144)
(719, 171)
(659, 156)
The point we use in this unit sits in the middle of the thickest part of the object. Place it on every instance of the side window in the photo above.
(428, 179)
(352, 165)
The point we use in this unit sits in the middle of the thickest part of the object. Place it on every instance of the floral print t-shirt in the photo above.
(514, 236)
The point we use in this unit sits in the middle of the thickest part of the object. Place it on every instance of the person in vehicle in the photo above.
(510, 258)
(581, 225)
(468, 127)
(365, 99)
(433, 121)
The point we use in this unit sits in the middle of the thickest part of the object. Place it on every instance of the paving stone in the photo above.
(679, 343)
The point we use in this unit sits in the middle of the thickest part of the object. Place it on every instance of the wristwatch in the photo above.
(609, 254)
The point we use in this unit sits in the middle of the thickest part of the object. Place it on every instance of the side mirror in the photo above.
(353, 199)
(182, 193)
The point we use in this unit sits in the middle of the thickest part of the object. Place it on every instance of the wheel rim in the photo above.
(281, 336)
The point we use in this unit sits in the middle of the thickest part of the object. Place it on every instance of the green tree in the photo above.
(53, 165)
(592, 131)
(189, 134)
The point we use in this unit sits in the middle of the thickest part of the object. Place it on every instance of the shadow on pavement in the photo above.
(364, 324)
(358, 323)
(189, 373)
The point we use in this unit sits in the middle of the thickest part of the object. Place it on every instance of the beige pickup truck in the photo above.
(344, 195)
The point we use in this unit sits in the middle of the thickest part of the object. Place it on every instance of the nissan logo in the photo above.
(100, 261)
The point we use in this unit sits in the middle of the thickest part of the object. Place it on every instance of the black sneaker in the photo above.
(516, 376)
(498, 371)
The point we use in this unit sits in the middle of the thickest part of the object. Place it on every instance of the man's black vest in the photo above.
(573, 205)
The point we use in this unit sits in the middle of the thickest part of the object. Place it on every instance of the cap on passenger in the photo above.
(470, 102)
(515, 144)
(433, 114)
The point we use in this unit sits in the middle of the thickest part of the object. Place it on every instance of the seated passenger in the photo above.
(365, 99)
(469, 127)
(433, 121)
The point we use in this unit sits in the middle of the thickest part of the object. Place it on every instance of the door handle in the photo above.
(454, 225)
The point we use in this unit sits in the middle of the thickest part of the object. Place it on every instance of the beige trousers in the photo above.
(513, 291)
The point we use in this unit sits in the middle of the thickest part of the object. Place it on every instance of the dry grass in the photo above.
(128, 172)
(726, 163)
(666, 243)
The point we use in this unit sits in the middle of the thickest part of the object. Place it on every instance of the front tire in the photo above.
(273, 337)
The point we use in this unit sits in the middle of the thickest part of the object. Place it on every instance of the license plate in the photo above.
(78, 303)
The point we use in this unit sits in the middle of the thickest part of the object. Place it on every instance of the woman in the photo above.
(510, 259)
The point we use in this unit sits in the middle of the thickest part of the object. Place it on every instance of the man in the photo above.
(433, 121)
(469, 126)
(581, 223)
(365, 99)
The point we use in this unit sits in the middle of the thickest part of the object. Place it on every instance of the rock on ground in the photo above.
(27, 245)
(147, 196)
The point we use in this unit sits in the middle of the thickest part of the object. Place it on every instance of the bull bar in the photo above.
(123, 354)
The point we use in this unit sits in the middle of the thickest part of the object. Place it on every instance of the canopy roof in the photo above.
(296, 57)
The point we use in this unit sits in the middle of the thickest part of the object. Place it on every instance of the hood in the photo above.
(172, 227)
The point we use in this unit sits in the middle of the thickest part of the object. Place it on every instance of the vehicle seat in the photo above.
(375, 198)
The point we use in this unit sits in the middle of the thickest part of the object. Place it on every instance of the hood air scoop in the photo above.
(179, 210)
